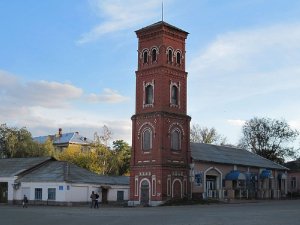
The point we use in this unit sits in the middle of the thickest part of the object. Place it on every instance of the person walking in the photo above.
(25, 201)
(93, 199)
(96, 201)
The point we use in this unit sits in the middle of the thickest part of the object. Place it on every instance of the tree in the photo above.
(122, 156)
(269, 138)
(206, 135)
(16, 142)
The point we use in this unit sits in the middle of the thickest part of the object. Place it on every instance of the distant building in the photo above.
(61, 140)
(221, 172)
(47, 181)
(294, 177)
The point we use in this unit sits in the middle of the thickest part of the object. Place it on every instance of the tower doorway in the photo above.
(177, 190)
(145, 192)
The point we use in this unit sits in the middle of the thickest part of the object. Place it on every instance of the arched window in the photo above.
(174, 95)
(170, 56)
(149, 94)
(145, 57)
(147, 139)
(175, 140)
(178, 57)
(154, 55)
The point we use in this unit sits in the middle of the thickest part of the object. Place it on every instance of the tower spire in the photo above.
(162, 11)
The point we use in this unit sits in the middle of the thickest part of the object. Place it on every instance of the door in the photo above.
(177, 190)
(104, 195)
(145, 193)
(3, 192)
(211, 187)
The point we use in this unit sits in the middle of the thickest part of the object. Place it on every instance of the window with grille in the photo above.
(174, 95)
(38, 194)
(51, 193)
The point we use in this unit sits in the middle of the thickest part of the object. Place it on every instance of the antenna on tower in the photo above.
(162, 11)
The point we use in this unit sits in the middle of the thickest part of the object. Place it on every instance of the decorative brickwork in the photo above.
(161, 172)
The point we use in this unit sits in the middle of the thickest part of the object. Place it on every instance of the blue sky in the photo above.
(71, 63)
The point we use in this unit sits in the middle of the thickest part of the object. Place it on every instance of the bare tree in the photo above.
(269, 138)
(206, 135)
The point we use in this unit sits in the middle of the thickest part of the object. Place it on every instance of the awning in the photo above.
(282, 176)
(265, 174)
(235, 175)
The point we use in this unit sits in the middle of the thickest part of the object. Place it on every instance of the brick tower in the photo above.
(160, 127)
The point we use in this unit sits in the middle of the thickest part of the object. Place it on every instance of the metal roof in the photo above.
(229, 155)
(161, 23)
(61, 171)
(72, 137)
(14, 166)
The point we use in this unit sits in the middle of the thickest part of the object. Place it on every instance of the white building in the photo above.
(47, 181)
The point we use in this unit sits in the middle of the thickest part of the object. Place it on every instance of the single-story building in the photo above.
(47, 181)
(227, 173)
(294, 177)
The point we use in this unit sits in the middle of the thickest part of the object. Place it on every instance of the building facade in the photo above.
(160, 127)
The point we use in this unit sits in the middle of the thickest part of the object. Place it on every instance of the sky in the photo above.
(71, 64)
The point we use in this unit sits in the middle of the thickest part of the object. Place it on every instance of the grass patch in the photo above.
(186, 201)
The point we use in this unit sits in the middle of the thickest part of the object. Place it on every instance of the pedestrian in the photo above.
(93, 199)
(96, 201)
(25, 201)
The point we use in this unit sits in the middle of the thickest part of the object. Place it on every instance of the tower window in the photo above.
(175, 140)
(170, 56)
(174, 95)
(149, 94)
(145, 57)
(154, 55)
(147, 139)
(178, 57)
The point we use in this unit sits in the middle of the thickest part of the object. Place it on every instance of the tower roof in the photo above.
(160, 24)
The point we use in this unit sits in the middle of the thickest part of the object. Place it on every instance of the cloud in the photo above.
(236, 122)
(43, 93)
(120, 15)
(249, 63)
(108, 96)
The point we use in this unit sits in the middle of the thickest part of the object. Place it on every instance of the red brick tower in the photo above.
(160, 128)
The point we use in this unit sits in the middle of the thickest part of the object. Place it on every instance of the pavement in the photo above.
(284, 212)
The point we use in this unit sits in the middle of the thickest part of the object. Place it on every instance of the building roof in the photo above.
(64, 138)
(61, 171)
(160, 23)
(230, 155)
(14, 166)
(293, 165)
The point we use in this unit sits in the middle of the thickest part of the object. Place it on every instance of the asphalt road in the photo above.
(285, 212)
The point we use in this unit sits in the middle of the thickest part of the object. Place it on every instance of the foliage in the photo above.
(16, 142)
(206, 135)
(269, 138)
(100, 158)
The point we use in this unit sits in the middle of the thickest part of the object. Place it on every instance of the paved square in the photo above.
(286, 212)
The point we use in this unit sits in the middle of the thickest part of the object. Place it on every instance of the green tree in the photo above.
(206, 135)
(269, 138)
(16, 142)
(122, 152)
